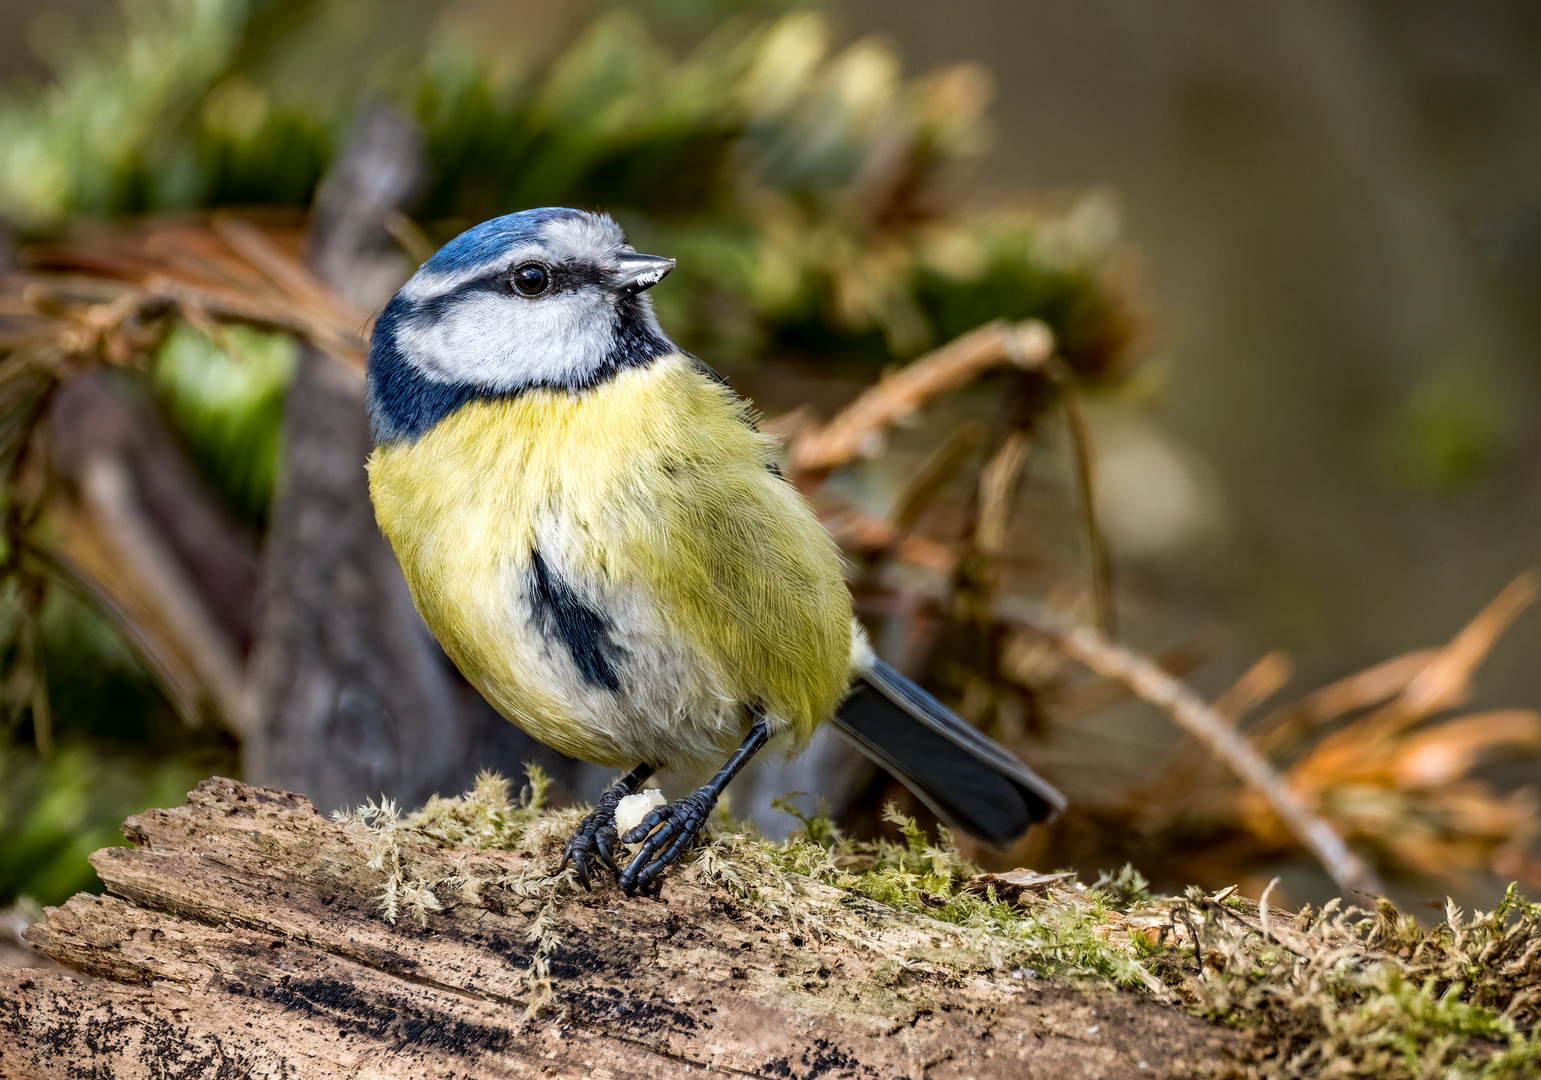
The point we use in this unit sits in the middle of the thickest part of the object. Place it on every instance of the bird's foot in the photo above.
(595, 835)
(664, 835)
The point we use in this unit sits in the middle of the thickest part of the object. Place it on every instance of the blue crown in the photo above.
(483, 242)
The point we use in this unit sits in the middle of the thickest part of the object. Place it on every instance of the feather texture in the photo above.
(971, 782)
(647, 497)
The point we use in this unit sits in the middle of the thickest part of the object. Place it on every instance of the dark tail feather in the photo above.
(971, 782)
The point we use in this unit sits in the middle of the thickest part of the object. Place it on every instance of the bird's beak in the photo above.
(633, 272)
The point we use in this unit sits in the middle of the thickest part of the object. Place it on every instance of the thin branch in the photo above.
(1257, 684)
(1086, 483)
(107, 489)
(928, 481)
(228, 268)
(1199, 719)
(858, 429)
(1360, 690)
(1444, 682)
(997, 483)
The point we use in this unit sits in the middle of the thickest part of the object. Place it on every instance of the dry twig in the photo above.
(1096, 541)
(1198, 718)
(225, 268)
(858, 429)
(1359, 690)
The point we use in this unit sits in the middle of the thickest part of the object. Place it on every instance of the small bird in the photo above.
(597, 533)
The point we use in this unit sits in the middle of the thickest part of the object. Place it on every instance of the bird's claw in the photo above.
(595, 835)
(666, 833)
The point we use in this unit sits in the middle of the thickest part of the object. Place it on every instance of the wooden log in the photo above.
(244, 937)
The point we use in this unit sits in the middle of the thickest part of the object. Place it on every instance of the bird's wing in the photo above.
(738, 559)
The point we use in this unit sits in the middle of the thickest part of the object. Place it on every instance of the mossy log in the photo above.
(244, 936)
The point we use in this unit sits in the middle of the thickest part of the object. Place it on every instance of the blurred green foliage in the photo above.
(55, 811)
(226, 398)
(806, 191)
(120, 748)
(1448, 432)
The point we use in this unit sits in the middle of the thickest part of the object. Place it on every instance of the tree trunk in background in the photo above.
(352, 697)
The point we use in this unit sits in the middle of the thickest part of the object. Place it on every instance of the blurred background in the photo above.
(1289, 255)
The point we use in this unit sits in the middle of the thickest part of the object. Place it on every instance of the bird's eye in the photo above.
(531, 279)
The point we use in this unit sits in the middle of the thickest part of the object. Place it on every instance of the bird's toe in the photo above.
(664, 834)
(595, 835)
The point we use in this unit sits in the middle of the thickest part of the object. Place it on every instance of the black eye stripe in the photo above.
(567, 276)
(577, 275)
(562, 278)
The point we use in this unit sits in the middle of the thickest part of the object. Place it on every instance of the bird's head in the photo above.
(542, 298)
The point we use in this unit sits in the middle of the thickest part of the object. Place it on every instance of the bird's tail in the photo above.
(971, 782)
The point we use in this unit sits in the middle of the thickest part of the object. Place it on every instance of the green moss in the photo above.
(1364, 994)
(1340, 991)
(1125, 888)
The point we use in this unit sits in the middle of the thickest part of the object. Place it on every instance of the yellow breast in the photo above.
(651, 488)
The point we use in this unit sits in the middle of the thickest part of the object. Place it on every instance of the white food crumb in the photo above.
(630, 811)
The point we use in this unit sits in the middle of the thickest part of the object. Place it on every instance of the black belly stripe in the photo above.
(561, 615)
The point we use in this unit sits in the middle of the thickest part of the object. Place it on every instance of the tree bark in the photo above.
(244, 938)
(352, 697)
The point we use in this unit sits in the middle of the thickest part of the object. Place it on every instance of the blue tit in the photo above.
(596, 532)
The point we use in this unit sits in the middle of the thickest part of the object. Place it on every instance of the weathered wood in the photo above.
(245, 939)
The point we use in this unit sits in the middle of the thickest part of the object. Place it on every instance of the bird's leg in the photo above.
(597, 831)
(668, 830)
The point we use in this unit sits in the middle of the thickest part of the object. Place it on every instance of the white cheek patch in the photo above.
(507, 342)
(502, 342)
